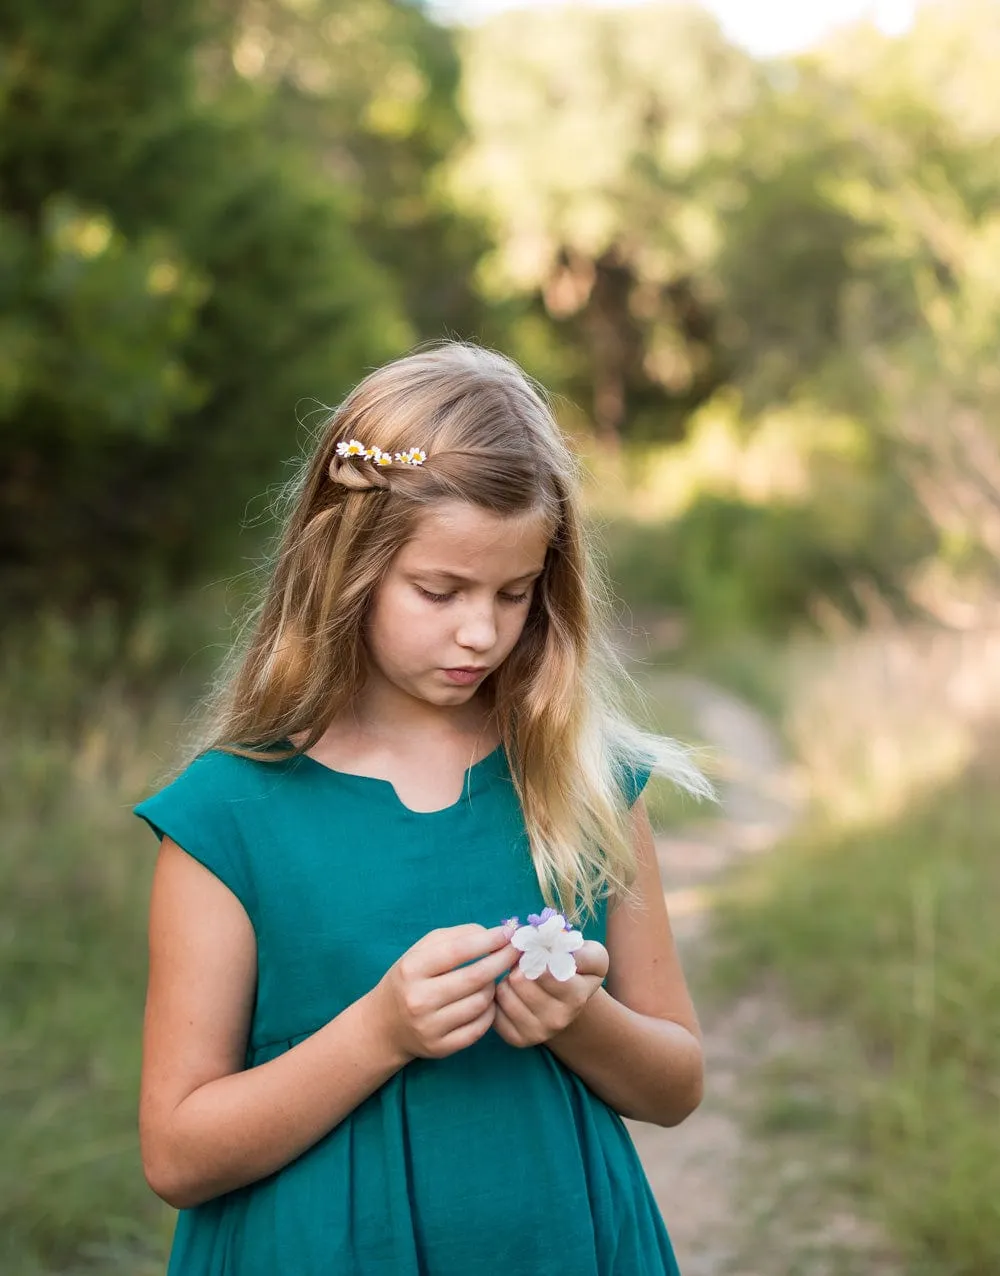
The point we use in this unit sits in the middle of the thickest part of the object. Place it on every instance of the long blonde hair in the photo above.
(490, 439)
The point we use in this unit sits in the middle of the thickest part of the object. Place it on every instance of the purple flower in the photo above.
(539, 919)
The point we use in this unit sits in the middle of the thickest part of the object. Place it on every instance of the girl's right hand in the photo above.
(429, 1008)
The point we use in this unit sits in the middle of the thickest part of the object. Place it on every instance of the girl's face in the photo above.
(455, 600)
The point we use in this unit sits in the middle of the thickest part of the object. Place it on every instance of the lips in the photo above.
(466, 675)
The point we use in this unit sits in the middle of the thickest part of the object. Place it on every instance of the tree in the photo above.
(172, 286)
(858, 262)
(369, 86)
(590, 132)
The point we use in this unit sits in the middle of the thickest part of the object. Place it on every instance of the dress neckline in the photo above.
(475, 778)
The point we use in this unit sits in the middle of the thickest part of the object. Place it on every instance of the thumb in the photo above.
(592, 958)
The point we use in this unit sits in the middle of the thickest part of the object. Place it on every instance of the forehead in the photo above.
(464, 538)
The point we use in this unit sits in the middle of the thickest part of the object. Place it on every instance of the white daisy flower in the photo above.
(416, 456)
(549, 946)
(353, 448)
(382, 458)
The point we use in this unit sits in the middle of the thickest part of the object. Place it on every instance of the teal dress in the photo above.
(493, 1159)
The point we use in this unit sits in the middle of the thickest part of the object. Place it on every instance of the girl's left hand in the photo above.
(531, 1011)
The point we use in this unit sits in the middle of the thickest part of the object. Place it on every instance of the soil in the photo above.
(738, 1201)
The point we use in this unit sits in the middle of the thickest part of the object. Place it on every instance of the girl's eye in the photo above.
(444, 598)
(432, 597)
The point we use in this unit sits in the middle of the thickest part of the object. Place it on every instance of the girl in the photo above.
(345, 1069)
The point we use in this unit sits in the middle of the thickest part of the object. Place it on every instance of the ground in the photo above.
(752, 1184)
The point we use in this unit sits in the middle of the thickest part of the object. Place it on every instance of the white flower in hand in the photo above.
(549, 946)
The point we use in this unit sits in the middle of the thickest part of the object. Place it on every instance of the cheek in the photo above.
(400, 626)
(512, 627)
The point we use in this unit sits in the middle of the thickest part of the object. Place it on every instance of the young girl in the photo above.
(345, 1068)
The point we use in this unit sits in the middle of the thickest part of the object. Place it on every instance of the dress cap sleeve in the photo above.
(198, 811)
(633, 776)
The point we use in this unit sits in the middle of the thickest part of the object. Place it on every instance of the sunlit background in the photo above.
(765, 28)
(754, 249)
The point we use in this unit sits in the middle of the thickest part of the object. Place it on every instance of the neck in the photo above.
(382, 710)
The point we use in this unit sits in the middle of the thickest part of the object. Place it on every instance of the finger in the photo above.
(512, 1005)
(455, 984)
(525, 1024)
(450, 1017)
(443, 950)
(504, 1027)
(534, 993)
(468, 1033)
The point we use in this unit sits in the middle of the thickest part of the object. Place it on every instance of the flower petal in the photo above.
(550, 928)
(534, 962)
(562, 966)
(526, 938)
(568, 942)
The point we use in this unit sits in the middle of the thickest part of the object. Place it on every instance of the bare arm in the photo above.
(206, 1125)
(636, 1044)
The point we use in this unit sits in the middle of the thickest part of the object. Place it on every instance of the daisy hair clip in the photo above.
(548, 942)
(353, 448)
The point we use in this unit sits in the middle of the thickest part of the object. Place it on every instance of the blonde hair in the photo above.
(491, 440)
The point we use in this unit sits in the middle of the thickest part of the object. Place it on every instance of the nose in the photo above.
(477, 630)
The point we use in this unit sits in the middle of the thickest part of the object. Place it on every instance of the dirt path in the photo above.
(735, 1202)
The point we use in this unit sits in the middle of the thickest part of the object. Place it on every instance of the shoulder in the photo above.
(222, 776)
(217, 788)
(208, 810)
(220, 764)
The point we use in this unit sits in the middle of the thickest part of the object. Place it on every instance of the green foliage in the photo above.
(90, 721)
(369, 88)
(212, 215)
(821, 231)
(184, 266)
(602, 217)
(850, 203)
(727, 565)
(856, 249)
(890, 931)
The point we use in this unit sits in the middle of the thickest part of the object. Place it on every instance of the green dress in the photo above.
(493, 1159)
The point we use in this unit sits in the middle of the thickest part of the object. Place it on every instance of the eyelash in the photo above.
(444, 598)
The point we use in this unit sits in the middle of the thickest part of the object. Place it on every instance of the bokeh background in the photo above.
(754, 250)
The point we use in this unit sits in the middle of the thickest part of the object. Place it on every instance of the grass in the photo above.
(90, 719)
(889, 932)
(73, 887)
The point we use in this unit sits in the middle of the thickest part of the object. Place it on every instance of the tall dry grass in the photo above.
(880, 916)
(90, 712)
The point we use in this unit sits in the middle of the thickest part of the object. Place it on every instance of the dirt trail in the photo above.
(735, 1204)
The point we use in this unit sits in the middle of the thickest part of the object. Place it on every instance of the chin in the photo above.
(454, 695)
(445, 696)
